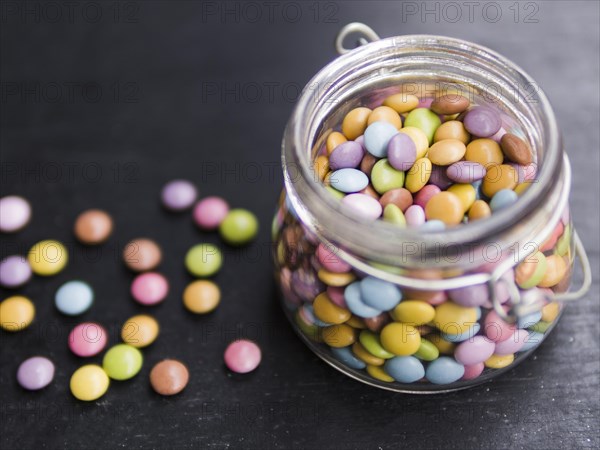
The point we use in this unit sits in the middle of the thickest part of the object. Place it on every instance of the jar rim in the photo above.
(332, 218)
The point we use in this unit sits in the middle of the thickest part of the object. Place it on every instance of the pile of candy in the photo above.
(123, 361)
(428, 164)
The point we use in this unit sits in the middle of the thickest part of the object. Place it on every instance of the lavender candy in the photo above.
(35, 373)
(439, 178)
(482, 121)
(402, 152)
(465, 172)
(14, 271)
(347, 155)
(179, 195)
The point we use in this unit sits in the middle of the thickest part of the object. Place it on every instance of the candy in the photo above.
(474, 351)
(413, 312)
(531, 271)
(14, 271)
(482, 121)
(419, 138)
(516, 149)
(499, 361)
(400, 339)
(402, 102)
(333, 140)
(371, 343)
(210, 212)
(379, 373)
(242, 356)
(513, 344)
(377, 138)
(89, 383)
(348, 180)
(446, 152)
(122, 362)
(405, 369)
(356, 304)
(142, 254)
(329, 312)
(453, 129)
(203, 260)
(74, 298)
(169, 377)
(465, 172)
(35, 373)
(48, 258)
(556, 268)
(453, 318)
(479, 210)
(178, 195)
(379, 294)
(93, 227)
(444, 370)
(363, 205)
(385, 114)
(400, 197)
(346, 155)
(330, 260)
(425, 194)
(393, 214)
(201, 296)
(321, 167)
(450, 104)
(367, 163)
(402, 152)
(425, 120)
(15, 213)
(446, 207)
(16, 313)
(496, 329)
(485, 152)
(239, 227)
(345, 355)
(503, 199)
(149, 288)
(415, 216)
(427, 351)
(418, 176)
(473, 371)
(140, 331)
(355, 122)
(465, 193)
(87, 339)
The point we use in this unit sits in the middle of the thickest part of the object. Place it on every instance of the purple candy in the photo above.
(482, 121)
(35, 373)
(439, 178)
(426, 192)
(179, 195)
(470, 296)
(415, 216)
(473, 351)
(362, 204)
(513, 344)
(465, 172)
(15, 213)
(347, 155)
(402, 152)
(14, 271)
(361, 141)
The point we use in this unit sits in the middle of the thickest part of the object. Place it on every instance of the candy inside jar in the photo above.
(419, 243)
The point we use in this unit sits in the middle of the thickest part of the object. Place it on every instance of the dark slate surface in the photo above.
(136, 106)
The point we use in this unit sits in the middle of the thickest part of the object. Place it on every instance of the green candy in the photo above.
(425, 120)
(122, 362)
(337, 194)
(385, 178)
(371, 343)
(540, 327)
(387, 268)
(309, 330)
(393, 214)
(239, 227)
(564, 243)
(538, 273)
(203, 260)
(427, 351)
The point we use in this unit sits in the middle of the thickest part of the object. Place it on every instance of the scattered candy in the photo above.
(14, 271)
(242, 356)
(48, 258)
(149, 288)
(201, 296)
(210, 212)
(74, 298)
(179, 195)
(122, 362)
(89, 383)
(239, 227)
(87, 339)
(15, 213)
(16, 313)
(93, 227)
(140, 331)
(169, 377)
(35, 373)
(141, 255)
(203, 260)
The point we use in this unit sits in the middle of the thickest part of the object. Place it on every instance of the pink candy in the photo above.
(474, 351)
(415, 216)
(472, 372)
(242, 356)
(87, 339)
(513, 344)
(149, 288)
(336, 295)
(210, 212)
(330, 260)
(425, 194)
(364, 205)
(497, 329)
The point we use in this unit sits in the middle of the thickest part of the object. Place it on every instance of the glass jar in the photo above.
(323, 251)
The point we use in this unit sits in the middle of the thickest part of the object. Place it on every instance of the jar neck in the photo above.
(364, 77)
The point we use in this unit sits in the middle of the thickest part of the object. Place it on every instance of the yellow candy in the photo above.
(486, 152)
(361, 353)
(335, 279)
(355, 122)
(400, 339)
(89, 383)
(48, 257)
(418, 175)
(454, 319)
(522, 187)
(356, 322)
(333, 140)
(479, 210)
(385, 114)
(339, 335)
(419, 138)
(499, 177)
(329, 312)
(499, 361)
(378, 373)
(452, 129)
(321, 167)
(16, 313)
(444, 347)
(550, 312)
(466, 193)
(140, 331)
(401, 103)
(446, 152)
(445, 206)
(556, 268)
(413, 312)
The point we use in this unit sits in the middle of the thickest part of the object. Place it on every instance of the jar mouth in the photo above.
(391, 62)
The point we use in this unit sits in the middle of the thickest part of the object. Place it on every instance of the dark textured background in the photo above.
(167, 89)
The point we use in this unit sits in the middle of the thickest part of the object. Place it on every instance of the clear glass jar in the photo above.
(321, 248)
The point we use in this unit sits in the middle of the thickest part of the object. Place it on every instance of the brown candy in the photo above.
(370, 191)
(367, 163)
(142, 254)
(450, 104)
(375, 324)
(400, 197)
(516, 149)
(93, 226)
(169, 377)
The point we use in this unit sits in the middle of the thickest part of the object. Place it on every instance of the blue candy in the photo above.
(433, 225)
(379, 294)
(349, 180)
(444, 370)
(310, 314)
(377, 138)
(405, 369)
(74, 298)
(463, 336)
(345, 356)
(502, 199)
(477, 185)
(529, 320)
(533, 340)
(355, 303)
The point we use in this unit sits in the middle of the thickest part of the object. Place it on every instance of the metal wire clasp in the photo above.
(366, 35)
